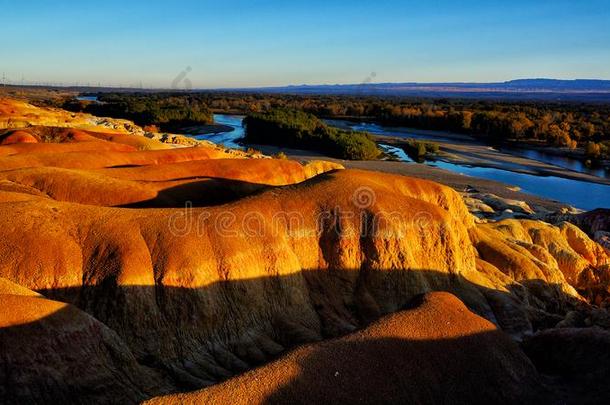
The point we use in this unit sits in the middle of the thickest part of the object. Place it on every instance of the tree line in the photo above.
(569, 125)
(169, 112)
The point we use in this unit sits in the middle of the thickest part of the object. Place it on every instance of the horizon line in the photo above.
(136, 87)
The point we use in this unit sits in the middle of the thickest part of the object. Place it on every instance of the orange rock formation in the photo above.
(178, 268)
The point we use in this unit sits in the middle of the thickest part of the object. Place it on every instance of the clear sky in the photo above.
(263, 43)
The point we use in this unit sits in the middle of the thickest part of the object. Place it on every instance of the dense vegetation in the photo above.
(568, 125)
(165, 110)
(297, 129)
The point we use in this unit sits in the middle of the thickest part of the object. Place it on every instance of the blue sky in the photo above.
(265, 43)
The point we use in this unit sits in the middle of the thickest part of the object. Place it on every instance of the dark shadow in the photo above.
(482, 368)
(576, 360)
(166, 339)
(124, 166)
(201, 192)
(212, 191)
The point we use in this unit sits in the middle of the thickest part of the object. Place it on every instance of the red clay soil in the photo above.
(439, 352)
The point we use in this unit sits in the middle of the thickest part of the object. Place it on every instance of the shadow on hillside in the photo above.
(211, 191)
(202, 192)
(480, 368)
(193, 337)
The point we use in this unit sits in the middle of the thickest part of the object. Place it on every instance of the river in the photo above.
(580, 194)
(229, 139)
(533, 154)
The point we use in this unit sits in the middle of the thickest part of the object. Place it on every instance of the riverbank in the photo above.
(481, 155)
(462, 149)
(459, 182)
(512, 177)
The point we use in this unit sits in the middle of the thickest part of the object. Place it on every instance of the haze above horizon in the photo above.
(272, 43)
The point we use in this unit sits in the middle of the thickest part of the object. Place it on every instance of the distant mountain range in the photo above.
(585, 90)
(546, 89)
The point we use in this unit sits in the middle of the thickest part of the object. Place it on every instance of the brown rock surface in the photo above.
(577, 358)
(52, 352)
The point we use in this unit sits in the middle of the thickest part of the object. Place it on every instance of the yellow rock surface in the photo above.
(20, 114)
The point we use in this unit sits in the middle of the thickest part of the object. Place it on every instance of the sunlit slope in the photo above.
(179, 268)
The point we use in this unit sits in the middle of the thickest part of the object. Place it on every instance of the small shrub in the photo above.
(593, 150)
(418, 149)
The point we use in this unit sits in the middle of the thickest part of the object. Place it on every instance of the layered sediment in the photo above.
(177, 269)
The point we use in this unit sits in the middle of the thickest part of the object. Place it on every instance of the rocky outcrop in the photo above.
(578, 358)
(202, 294)
(117, 263)
(554, 254)
(595, 223)
(20, 114)
(590, 222)
(556, 267)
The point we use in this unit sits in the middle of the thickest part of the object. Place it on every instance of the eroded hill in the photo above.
(128, 273)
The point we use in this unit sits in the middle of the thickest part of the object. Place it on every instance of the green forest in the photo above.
(169, 112)
(297, 129)
(567, 125)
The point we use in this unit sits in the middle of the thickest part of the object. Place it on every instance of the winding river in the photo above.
(228, 139)
(581, 194)
(541, 156)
